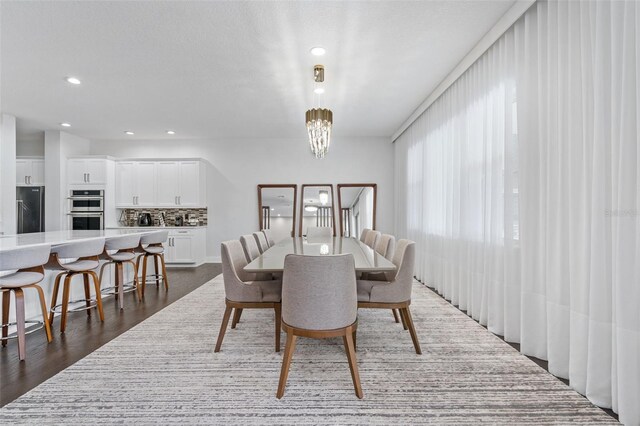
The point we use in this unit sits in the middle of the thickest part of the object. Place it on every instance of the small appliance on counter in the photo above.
(162, 219)
(144, 219)
(179, 221)
(192, 220)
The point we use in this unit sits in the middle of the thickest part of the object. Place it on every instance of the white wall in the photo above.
(7, 174)
(57, 147)
(31, 147)
(239, 165)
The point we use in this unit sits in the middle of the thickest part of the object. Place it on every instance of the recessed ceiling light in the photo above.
(171, 132)
(318, 90)
(65, 124)
(318, 51)
(73, 80)
(272, 209)
(129, 132)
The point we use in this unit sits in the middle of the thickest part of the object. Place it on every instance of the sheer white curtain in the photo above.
(521, 186)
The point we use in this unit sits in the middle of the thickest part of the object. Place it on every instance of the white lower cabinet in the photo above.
(185, 246)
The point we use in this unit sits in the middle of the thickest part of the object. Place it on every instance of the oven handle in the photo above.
(85, 214)
(86, 198)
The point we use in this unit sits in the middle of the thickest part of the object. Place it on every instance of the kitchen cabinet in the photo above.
(160, 183)
(87, 171)
(186, 246)
(29, 172)
(135, 184)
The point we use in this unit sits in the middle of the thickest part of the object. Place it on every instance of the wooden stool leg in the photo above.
(22, 350)
(54, 297)
(156, 269)
(144, 272)
(136, 281)
(119, 283)
(278, 308)
(223, 327)
(289, 348)
(353, 365)
(65, 303)
(6, 301)
(165, 279)
(104, 265)
(395, 315)
(96, 283)
(87, 293)
(45, 319)
(236, 317)
(412, 330)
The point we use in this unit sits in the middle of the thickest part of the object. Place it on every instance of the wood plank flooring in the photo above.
(86, 334)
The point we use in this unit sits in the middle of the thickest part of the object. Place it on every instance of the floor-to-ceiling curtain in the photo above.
(521, 187)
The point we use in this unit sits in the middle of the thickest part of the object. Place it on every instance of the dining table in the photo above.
(365, 258)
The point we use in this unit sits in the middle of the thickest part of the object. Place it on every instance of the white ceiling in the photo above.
(229, 69)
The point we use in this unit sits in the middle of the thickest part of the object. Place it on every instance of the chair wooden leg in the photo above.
(96, 283)
(403, 319)
(355, 347)
(6, 301)
(65, 303)
(45, 319)
(104, 265)
(144, 272)
(156, 269)
(22, 344)
(120, 283)
(395, 315)
(165, 279)
(412, 330)
(54, 297)
(278, 308)
(353, 365)
(136, 281)
(236, 317)
(289, 348)
(223, 327)
(87, 293)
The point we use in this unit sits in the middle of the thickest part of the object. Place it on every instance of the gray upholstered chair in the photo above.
(75, 258)
(261, 241)
(118, 251)
(243, 291)
(27, 264)
(319, 300)
(319, 232)
(396, 293)
(268, 234)
(372, 238)
(151, 247)
(250, 247)
(363, 235)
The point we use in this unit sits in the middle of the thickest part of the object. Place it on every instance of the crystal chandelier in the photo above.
(319, 121)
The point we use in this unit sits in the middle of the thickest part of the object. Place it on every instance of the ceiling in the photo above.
(229, 69)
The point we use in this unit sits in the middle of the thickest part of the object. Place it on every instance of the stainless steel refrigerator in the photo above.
(30, 209)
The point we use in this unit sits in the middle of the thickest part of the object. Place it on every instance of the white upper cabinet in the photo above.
(162, 183)
(29, 172)
(83, 171)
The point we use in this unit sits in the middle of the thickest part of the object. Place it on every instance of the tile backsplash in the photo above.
(129, 217)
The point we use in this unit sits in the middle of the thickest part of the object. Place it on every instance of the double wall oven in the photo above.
(86, 209)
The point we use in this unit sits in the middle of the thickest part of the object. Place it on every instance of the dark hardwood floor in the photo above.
(85, 334)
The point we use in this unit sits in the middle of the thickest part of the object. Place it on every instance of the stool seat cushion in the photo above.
(122, 256)
(18, 279)
(154, 249)
(81, 265)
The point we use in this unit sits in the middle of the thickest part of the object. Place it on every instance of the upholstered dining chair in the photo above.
(261, 241)
(372, 238)
(268, 234)
(319, 300)
(243, 291)
(76, 258)
(319, 232)
(363, 235)
(386, 246)
(29, 271)
(250, 247)
(396, 293)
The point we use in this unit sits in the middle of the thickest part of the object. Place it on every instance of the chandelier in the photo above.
(319, 121)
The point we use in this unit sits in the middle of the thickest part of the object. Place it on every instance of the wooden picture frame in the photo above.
(293, 205)
(357, 185)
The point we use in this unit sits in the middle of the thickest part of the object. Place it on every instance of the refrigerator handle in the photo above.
(20, 214)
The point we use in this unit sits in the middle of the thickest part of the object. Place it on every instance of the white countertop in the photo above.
(12, 242)
(157, 227)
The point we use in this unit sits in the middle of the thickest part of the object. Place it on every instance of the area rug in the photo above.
(164, 371)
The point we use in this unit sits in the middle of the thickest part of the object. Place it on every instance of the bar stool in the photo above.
(151, 246)
(86, 260)
(124, 247)
(28, 263)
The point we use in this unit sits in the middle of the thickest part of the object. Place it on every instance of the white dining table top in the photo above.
(12, 242)
(366, 259)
